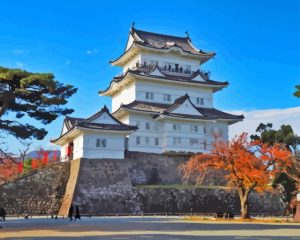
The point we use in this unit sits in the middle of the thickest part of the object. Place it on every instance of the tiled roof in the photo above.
(122, 127)
(88, 123)
(158, 108)
(168, 77)
(162, 41)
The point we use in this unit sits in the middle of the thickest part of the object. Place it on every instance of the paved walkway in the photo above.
(123, 228)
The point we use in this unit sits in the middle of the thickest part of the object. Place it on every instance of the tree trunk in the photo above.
(244, 194)
(244, 207)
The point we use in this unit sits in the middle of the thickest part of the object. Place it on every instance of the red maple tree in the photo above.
(248, 166)
(8, 167)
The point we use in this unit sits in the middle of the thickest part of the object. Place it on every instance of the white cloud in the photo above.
(92, 51)
(20, 64)
(277, 117)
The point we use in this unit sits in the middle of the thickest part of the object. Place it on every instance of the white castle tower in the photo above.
(162, 100)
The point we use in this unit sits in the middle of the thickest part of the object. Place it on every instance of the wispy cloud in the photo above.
(20, 64)
(18, 51)
(277, 117)
(92, 51)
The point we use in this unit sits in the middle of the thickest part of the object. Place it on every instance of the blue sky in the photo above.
(257, 46)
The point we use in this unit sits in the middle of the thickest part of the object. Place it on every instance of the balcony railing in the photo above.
(177, 70)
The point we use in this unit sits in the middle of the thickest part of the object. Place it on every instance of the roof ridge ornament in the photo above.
(188, 36)
(105, 108)
(132, 25)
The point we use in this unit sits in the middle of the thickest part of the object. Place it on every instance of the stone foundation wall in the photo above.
(38, 192)
(122, 186)
(111, 186)
(104, 186)
(205, 200)
(150, 168)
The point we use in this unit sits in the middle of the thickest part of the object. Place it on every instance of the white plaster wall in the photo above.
(114, 146)
(65, 129)
(78, 147)
(218, 127)
(155, 131)
(63, 153)
(163, 130)
(132, 63)
(124, 119)
(185, 133)
(129, 42)
(186, 108)
(105, 119)
(176, 91)
(127, 95)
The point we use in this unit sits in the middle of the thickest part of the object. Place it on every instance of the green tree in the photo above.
(287, 187)
(297, 93)
(35, 95)
(286, 183)
(270, 136)
(27, 164)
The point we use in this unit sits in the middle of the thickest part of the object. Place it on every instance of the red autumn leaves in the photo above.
(248, 165)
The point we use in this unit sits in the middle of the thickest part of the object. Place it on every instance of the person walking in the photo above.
(77, 214)
(71, 212)
(2, 213)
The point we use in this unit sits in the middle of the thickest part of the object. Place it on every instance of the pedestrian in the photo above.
(2, 213)
(77, 214)
(71, 212)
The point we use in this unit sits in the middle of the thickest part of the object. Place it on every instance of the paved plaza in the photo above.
(129, 228)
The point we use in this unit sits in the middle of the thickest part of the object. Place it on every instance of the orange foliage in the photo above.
(281, 160)
(11, 169)
(8, 169)
(248, 165)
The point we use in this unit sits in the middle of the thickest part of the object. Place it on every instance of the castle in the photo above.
(161, 103)
(162, 113)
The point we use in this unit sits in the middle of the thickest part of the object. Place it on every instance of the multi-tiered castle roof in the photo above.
(162, 102)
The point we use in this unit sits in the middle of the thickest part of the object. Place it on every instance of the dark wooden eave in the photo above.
(167, 77)
(156, 109)
(87, 123)
(159, 41)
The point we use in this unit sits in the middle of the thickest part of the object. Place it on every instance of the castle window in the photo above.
(156, 141)
(215, 131)
(176, 127)
(167, 97)
(149, 95)
(138, 140)
(193, 141)
(194, 128)
(176, 140)
(200, 101)
(188, 68)
(100, 143)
